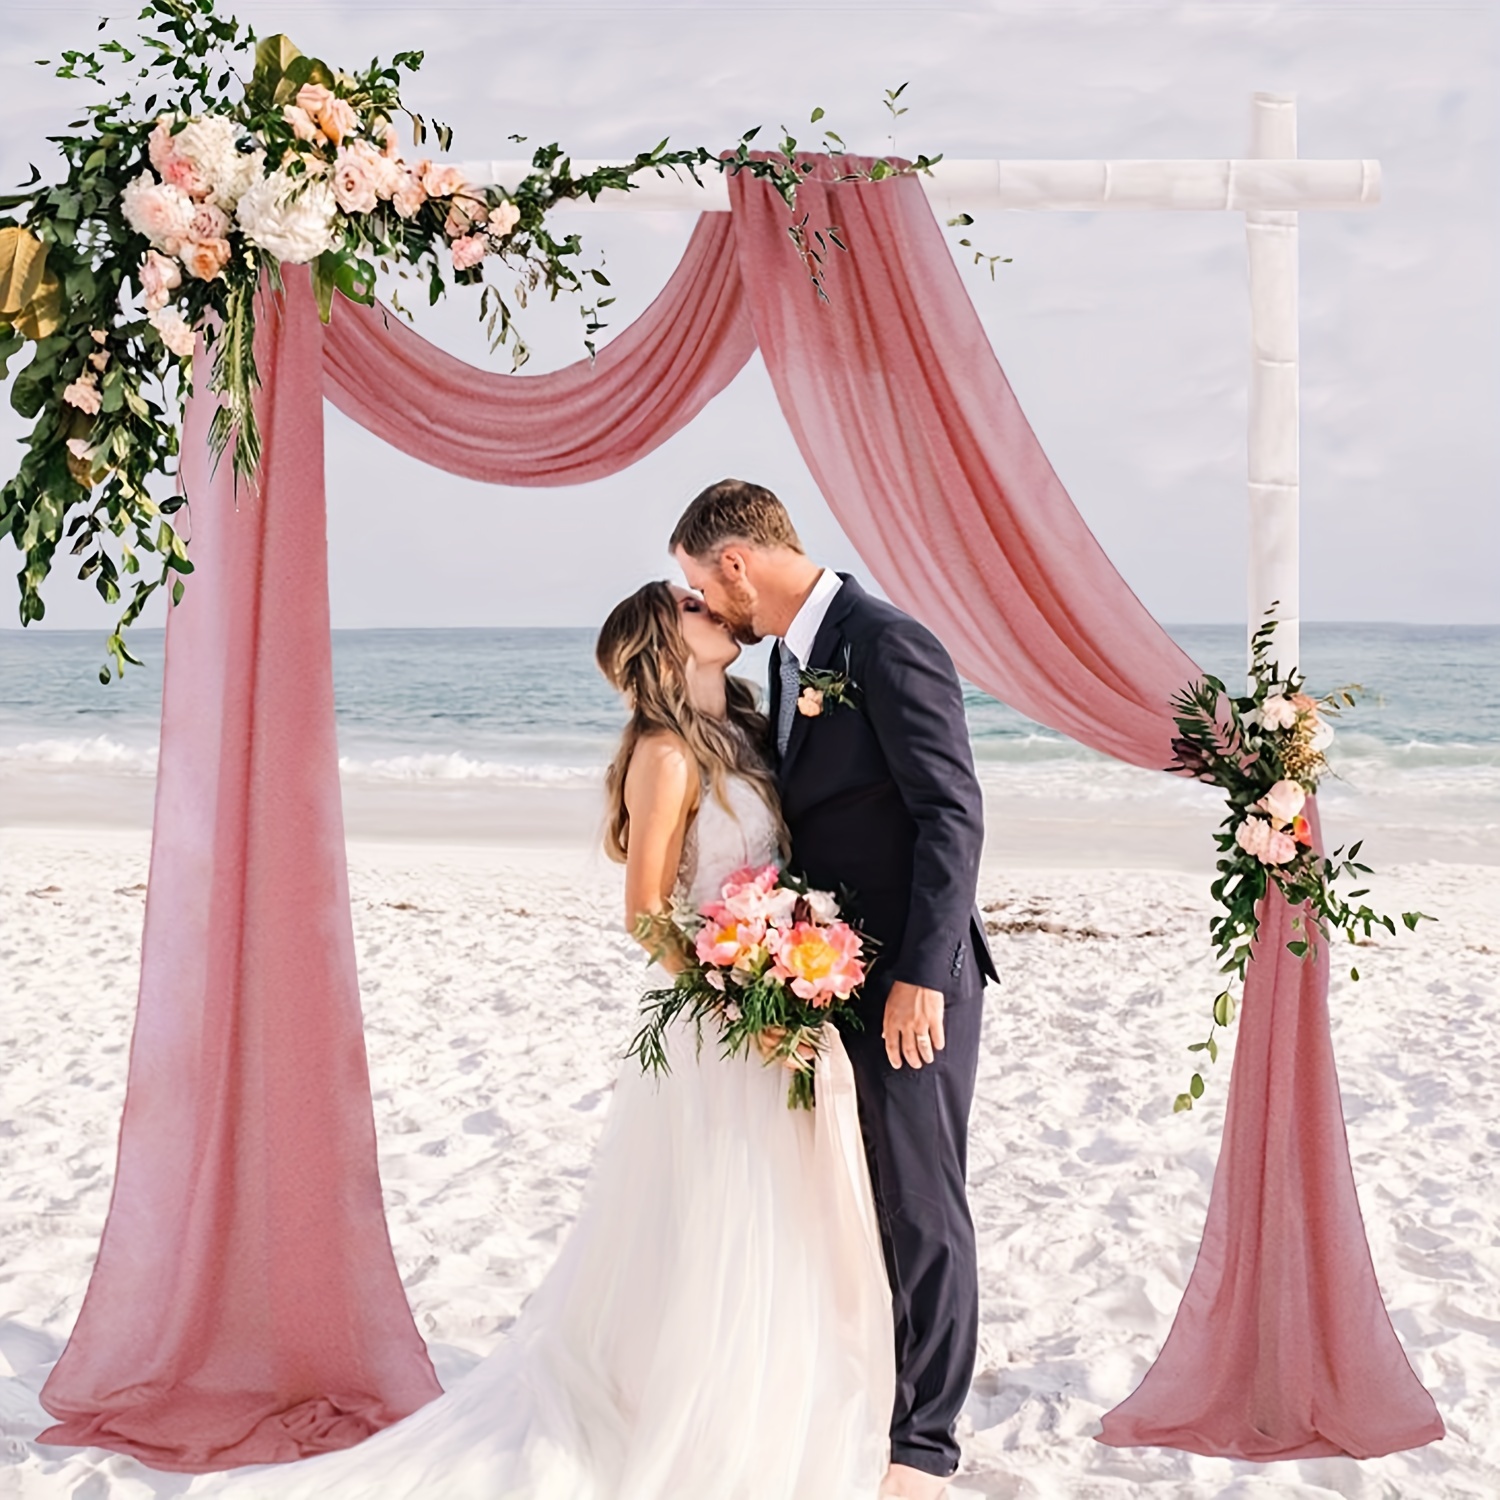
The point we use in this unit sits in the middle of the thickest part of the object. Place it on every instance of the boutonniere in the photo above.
(822, 687)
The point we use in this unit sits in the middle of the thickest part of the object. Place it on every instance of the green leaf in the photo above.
(1195, 1088)
(1299, 947)
(1224, 1008)
(1354, 974)
(1180, 1103)
(1213, 1050)
(816, 115)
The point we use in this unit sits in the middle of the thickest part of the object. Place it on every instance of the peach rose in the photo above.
(84, 394)
(503, 218)
(313, 98)
(304, 127)
(204, 259)
(175, 332)
(159, 277)
(464, 217)
(337, 120)
(354, 183)
(468, 251)
(409, 197)
(1283, 802)
(810, 702)
(441, 181)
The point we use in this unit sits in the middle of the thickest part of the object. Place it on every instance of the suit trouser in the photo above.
(915, 1123)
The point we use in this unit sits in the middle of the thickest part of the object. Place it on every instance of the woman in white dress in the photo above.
(717, 1324)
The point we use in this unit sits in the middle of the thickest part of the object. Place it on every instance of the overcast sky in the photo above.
(1125, 335)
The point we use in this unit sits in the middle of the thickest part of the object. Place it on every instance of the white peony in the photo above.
(293, 218)
(211, 144)
(1322, 735)
(822, 906)
(1278, 712)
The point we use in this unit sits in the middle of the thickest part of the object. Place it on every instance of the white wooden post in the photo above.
(1271, 242)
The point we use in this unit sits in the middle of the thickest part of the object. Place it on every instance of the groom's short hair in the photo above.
(733, 510)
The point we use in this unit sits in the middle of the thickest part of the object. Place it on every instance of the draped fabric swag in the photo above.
(245, 1306)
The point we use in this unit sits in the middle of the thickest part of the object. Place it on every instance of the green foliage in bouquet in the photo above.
(217, 158)
(1265, 749)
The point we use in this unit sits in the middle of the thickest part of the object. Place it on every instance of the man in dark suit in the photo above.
(880, 797)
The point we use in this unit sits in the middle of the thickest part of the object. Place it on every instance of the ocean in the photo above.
(527, 706)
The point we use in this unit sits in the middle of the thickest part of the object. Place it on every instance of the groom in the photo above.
(879, 794)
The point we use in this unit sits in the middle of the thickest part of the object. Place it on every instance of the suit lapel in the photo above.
(826, 645)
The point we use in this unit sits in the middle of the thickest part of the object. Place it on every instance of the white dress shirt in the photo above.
(803, 630)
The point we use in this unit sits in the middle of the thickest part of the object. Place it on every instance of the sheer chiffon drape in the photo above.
(231, 1160)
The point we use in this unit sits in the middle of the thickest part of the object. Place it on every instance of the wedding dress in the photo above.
(717, 1325)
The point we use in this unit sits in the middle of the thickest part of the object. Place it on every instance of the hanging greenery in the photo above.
(221, 158)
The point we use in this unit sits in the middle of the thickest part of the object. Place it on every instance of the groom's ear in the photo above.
(732, 561)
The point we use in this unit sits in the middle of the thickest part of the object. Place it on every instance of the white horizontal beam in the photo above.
(1243, 185)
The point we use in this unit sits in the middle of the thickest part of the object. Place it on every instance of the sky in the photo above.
(1125, 335)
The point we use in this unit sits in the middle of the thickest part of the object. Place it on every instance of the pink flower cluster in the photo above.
(759, 924)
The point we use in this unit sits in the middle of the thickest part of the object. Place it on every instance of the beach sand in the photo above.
(498, 996)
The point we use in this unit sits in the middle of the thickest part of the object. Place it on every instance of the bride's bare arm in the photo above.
(661, 794)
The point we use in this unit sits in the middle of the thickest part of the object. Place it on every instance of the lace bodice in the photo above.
(719, 841)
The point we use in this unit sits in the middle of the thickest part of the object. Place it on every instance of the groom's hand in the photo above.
(913, 1028)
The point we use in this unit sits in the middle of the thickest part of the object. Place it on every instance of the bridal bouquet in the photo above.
(768, 963)
(1266, 750)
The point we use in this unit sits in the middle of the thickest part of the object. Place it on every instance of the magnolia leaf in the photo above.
(272, 58)
(299, 71)
(23, 261)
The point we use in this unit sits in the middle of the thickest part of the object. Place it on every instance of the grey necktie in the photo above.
(787, 708)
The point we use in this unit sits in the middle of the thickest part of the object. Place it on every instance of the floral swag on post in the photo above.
(174, 211)
(1266, 750)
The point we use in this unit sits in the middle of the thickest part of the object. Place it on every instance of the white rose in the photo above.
(822, 906)
(1283, 802)
(1278, 712)
(174, 331)
(1322, 735)
(291, 218)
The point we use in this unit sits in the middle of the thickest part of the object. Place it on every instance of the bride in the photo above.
(717, 1324)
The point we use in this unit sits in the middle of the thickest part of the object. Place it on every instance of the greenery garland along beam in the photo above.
(175, 208)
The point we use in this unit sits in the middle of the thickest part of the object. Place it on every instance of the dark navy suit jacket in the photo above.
(881, 799)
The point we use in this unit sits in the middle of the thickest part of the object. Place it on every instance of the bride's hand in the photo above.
(770, 1042)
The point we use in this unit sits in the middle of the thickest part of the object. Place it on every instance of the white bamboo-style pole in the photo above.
(1271, 241)
(1269, 188)
(1063, 186)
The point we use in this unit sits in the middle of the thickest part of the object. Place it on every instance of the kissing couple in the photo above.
(756, 1302)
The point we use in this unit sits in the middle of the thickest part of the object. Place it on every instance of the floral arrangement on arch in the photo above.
(767, 962)
(176, 207)
(1266, 750)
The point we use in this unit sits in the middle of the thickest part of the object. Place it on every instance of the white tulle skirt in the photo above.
(717, 1324)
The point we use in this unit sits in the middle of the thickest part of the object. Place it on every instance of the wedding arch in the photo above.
(245, 1305)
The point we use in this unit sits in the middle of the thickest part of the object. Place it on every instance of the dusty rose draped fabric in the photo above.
(245, 1305)
(1282, 1346)
(580, 423)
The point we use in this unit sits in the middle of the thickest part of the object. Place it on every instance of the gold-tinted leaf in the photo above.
(23, 263)
(42, 316)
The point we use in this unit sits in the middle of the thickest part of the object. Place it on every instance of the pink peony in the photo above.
(757, 894)
(157, 210)
(354, 182)
(442, 181)
(206, 258)
(159, 277)
(84, 394)
(1283, 802)
(160, 146)
(468, 251)
(503, 218)
(820, 963)
(304, 127)
(1259, 840)
(730, 944)
(181, 173)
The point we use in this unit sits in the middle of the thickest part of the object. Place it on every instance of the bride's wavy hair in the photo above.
(642, 652)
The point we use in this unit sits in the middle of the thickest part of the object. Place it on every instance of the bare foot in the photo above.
(905, 1483)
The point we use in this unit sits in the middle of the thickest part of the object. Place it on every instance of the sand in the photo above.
(498, 997)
